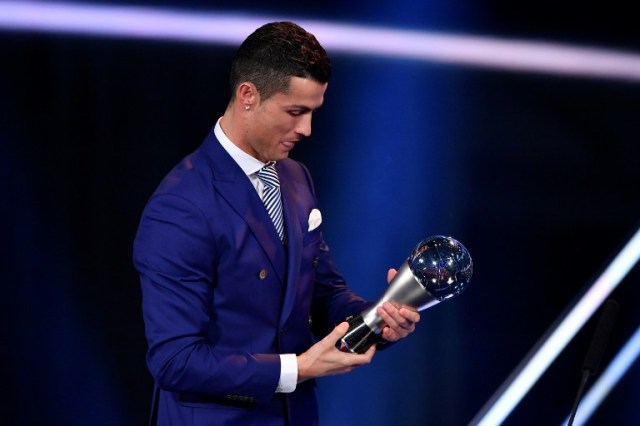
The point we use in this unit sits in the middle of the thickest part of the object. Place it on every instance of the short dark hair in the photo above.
(273, 54)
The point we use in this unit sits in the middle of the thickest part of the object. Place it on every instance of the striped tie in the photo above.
(271, 197)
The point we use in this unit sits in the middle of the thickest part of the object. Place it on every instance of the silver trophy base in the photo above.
(360, 337)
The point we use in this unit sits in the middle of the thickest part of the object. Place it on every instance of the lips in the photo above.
(289, 144)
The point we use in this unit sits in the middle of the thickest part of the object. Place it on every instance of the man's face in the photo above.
(282, 120)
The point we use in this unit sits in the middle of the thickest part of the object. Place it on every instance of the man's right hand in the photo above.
(324, 359)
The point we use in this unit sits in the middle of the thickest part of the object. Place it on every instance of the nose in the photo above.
(304, 125)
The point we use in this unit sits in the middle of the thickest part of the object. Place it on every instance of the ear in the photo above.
(247, 94)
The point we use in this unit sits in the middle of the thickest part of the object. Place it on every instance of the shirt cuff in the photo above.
(288, 373)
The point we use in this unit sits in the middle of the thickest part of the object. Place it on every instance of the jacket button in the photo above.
(316, 260)
(262, 274)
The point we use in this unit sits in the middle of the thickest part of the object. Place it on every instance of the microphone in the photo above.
(600, 337)
(596, 350)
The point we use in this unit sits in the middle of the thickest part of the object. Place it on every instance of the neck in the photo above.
(234, 124)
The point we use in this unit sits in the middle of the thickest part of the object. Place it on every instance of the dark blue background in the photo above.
(537, 175)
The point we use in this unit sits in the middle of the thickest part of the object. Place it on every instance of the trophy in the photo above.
(437, 269)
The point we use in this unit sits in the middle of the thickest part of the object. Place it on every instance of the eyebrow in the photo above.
(304, 107)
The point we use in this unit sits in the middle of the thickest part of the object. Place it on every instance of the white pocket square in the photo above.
(315, 219)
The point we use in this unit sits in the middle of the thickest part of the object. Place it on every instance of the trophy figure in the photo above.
(437, 269)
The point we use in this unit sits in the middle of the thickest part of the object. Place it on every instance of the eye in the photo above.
(295, 112)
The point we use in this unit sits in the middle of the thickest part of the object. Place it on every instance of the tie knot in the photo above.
(268, 175)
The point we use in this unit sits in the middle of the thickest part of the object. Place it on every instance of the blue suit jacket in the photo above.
(222, 297)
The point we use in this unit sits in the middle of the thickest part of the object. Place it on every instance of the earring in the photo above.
(246, 107)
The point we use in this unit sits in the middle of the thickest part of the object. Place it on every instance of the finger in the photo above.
(337, 333)
(391, 273)
(410, 315)
(406, 316)
(392, 317)
(389, 335)
(341, 329)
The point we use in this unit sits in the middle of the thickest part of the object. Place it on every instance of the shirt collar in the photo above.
(247, 163)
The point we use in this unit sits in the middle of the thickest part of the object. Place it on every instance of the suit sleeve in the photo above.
(175, 256)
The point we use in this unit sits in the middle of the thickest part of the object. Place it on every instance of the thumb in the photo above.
(338, 331)
(391, 273)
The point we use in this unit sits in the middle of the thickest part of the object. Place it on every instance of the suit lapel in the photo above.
(233, 185)
(294, 232)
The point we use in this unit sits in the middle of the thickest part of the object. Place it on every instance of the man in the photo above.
(231, 296)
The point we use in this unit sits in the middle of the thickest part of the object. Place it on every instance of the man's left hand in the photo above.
(400, 320)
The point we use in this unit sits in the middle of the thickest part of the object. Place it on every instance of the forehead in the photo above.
(303, 92)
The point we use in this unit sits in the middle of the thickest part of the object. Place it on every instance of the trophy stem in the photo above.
(359, 337)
